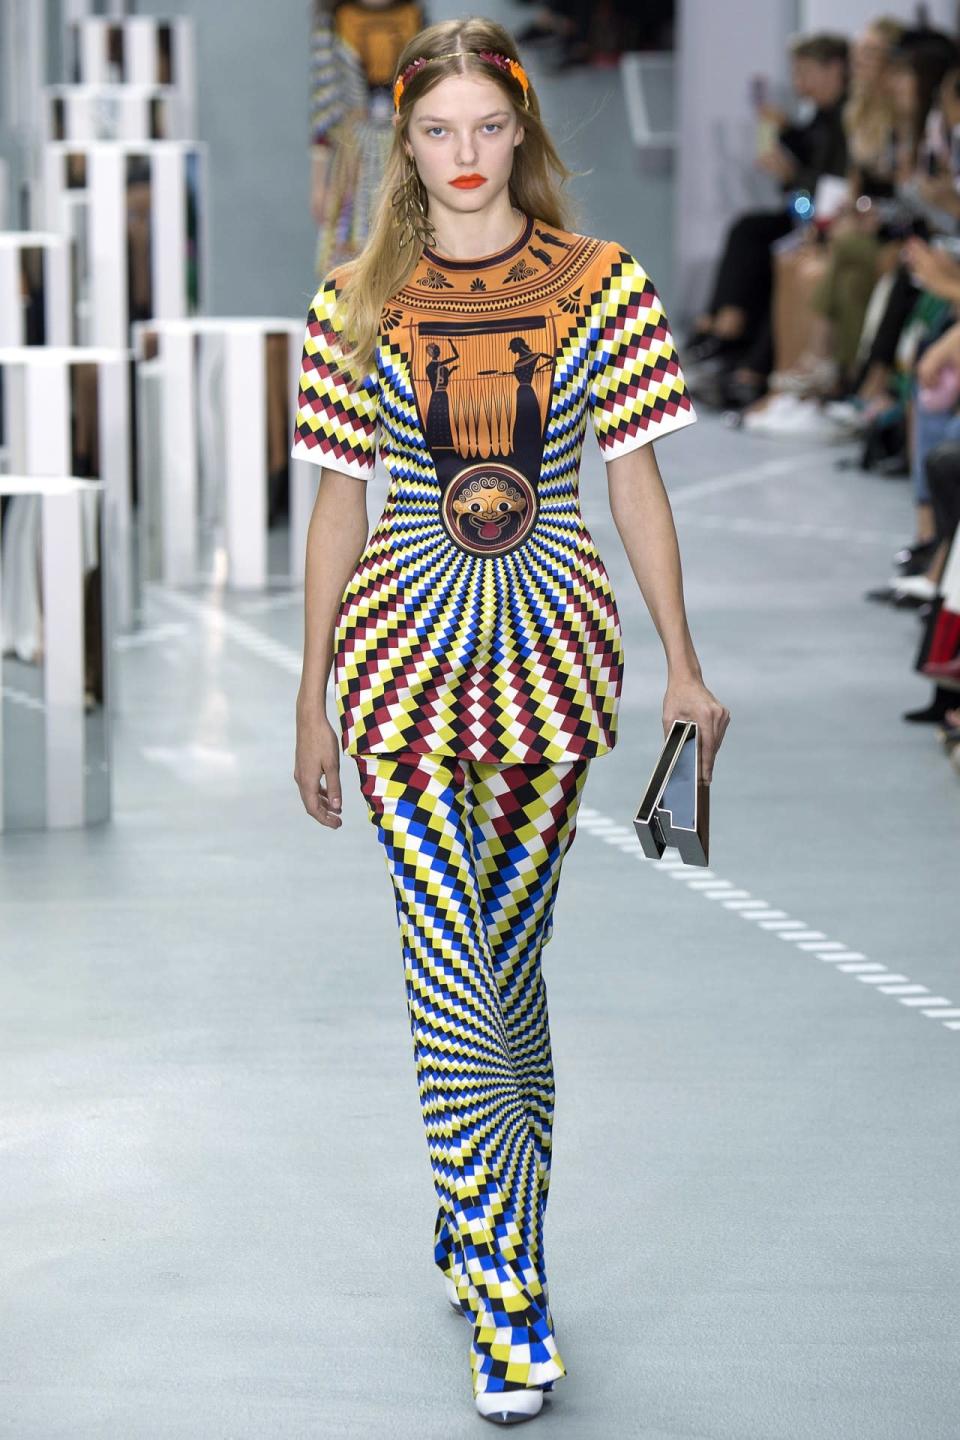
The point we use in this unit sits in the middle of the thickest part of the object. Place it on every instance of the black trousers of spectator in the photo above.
(900, 302)
(745, 274)
(744, 279)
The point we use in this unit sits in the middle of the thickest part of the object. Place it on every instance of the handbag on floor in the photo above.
(675, 809)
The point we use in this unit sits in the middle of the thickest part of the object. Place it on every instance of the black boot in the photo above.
(943, 700)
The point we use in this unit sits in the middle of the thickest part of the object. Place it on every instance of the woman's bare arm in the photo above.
(641, 512)
(335, 540)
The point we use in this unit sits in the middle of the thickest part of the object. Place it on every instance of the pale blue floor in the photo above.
(216, 1210)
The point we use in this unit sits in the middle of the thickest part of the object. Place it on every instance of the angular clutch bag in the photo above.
(675, 809)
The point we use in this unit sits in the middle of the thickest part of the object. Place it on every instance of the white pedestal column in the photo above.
(136, 50)
(203, 385)
(81, 114)
(144, 230)
(716, 175)
(48, 389)
(54, 711)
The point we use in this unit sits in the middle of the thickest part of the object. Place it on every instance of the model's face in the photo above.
(465, 130)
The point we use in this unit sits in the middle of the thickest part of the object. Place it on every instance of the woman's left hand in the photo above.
(691, 700)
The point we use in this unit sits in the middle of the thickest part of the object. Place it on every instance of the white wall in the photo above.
(721, 47)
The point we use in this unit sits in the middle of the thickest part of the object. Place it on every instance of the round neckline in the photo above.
(483, 262)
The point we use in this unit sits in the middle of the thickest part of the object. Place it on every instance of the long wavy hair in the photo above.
(536, 180)
(868, 114)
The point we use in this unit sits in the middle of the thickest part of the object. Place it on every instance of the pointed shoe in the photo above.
(509, 1407)
(452, 1295)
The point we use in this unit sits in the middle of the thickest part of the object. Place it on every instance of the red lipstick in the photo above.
(469, 182)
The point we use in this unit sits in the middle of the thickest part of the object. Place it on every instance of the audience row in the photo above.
(835, 315)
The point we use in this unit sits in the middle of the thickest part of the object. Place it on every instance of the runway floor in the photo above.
(217, 1208)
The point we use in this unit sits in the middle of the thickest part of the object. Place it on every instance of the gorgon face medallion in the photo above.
(488, 509)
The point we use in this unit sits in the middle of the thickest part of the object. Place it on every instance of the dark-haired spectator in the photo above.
(736, 322)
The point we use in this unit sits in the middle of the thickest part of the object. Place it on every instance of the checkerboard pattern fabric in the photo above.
(480, 621)
(475, 852)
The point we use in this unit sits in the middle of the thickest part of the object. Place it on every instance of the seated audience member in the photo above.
(929, 576)
(864, 246)
(868, 117)
(737, 319)
(936, 422)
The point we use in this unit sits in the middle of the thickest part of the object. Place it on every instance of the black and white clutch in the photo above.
(675, 809)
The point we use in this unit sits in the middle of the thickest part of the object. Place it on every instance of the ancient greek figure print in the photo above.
(483, 391)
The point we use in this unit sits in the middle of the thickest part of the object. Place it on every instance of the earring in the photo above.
(407, 201)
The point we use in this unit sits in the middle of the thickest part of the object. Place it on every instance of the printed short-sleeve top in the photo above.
(480, 621)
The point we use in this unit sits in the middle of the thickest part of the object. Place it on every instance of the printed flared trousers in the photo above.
(474, 851)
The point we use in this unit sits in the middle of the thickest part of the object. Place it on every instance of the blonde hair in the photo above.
(535, 186)
(868, 115)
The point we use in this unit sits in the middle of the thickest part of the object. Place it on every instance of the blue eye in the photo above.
(488, 127)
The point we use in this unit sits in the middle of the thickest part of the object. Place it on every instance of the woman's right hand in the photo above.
(317, 767)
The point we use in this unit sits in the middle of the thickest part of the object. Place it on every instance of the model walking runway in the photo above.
(474, 635)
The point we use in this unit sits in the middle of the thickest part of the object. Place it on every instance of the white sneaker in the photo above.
(758, 420)
(848, 414)
(798, 419)
(509, 1407)
(819, 376)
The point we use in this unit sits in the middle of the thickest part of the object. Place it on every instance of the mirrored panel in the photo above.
(278, 425)
(159, 117)
(166, 66)
(680, 794)
(58, 118)
(84, 420)
(116, 55)
(194, 229)
(140, 239)
(33, 294)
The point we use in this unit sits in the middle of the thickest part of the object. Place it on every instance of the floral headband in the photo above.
(502, 62)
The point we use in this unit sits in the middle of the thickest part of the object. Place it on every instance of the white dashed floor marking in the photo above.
(795, 932)
(612, 832)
